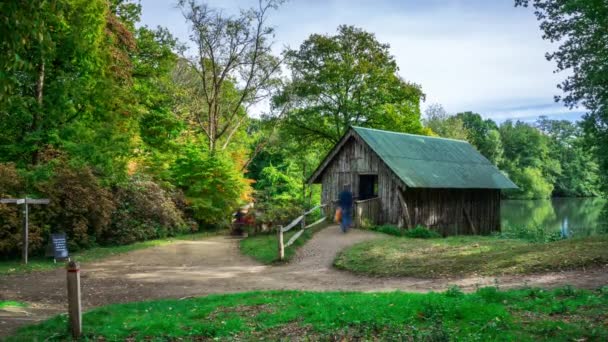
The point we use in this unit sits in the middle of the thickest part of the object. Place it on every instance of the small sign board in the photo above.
(60, 246)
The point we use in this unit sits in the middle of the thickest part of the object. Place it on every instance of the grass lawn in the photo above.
(563, 314)
(264, 247)
(96, 253)
(460, 256)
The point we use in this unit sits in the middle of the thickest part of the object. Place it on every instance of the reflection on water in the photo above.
(571, 217)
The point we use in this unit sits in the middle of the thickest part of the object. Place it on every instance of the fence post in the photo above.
(281, 246)
(303, 223)
(74, 304)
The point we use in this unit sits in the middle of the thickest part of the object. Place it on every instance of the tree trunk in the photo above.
(212, 128)
(38, 112)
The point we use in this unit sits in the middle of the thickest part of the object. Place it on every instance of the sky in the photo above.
(484, 56)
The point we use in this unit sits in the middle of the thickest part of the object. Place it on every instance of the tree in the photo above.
(233, 67)
(443, 124)
(580, 27)
(346, 79)
(527, 160)
(579, 175)
(50, 60)
(483, 134)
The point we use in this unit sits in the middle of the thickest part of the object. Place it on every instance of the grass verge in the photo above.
(461, 256)
(565, 314)
(43, 264)
(264, 247)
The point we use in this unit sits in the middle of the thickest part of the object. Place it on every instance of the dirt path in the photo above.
(214, 265)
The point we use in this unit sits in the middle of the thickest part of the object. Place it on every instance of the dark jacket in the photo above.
(345, 199)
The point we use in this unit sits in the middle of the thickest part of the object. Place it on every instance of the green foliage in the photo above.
(531, 233)
(487, 314)
(418, 232)
(346, 79)
(579, 172)
(581, 29)
(549, 158)
(471, 255)
(484, 135)
(79, 206)
(144, 211)
(527, 160)
(210, 182)
(532, 184)
(444, 125)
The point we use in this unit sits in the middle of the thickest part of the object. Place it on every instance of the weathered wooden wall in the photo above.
(355, 159)
(446, 210)
(441, 209)
(366, 212)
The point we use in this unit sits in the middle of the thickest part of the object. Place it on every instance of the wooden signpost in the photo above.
(25, 201)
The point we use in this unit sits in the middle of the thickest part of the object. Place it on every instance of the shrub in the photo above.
(213, 185)
(531, 233)
(278, 212)
(144, 211)
(79, 205)
(390, 230)
(420, 232)
(11, 185)
(454, 291)
(417, 232)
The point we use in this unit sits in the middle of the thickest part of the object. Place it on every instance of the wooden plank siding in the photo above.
(354, 159)
(440, 209)
(444, 210)
(366, 212)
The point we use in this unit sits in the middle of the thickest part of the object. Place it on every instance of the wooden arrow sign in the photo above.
(27, 202)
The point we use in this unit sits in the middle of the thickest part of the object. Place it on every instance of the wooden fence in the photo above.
(367, 212)
(302, 223)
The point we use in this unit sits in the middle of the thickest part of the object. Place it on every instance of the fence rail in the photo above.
(302, 221)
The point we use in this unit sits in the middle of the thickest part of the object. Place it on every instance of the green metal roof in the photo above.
(432, 162)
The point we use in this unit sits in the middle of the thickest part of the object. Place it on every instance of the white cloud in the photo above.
(483, 56)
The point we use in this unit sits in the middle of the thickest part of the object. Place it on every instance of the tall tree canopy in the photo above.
(580, 27)
(443, 124)
(233, 67)
(346, 79)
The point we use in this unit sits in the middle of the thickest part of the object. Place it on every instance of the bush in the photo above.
(12, 185)
(532, 234)
(532, 184)
(79, 206)
(388, 229)
(144, 211)
(418, 232)
(213, 185)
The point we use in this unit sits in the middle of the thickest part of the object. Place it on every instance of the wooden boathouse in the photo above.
(409, 180)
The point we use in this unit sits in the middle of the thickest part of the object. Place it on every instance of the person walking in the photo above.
(345, 200)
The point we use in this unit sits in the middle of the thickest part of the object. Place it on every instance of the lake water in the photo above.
(571, 217)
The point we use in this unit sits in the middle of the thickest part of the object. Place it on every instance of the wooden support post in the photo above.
(74, 304)
(303, 223)
(281, 246)
(468, 217)
(26, 211)
(406, 212)
(26, 230)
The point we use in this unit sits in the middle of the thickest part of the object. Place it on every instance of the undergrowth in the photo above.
(418, 232)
